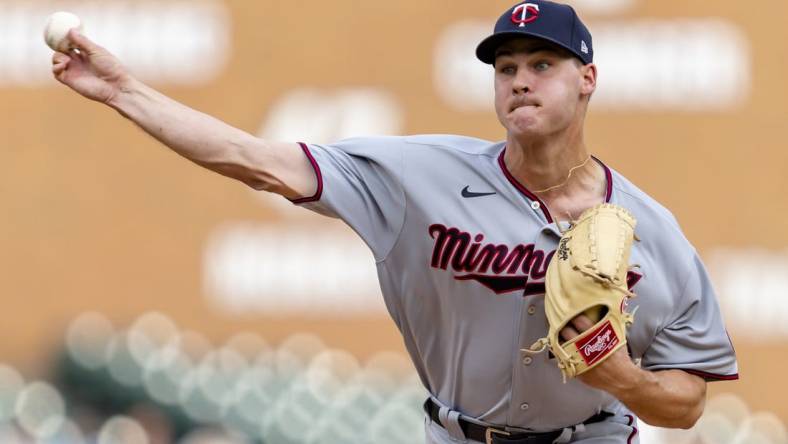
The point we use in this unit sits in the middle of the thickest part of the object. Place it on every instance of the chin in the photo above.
(525, 127)
(524, 118)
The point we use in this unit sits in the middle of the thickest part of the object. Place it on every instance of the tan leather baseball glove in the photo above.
(588, 275)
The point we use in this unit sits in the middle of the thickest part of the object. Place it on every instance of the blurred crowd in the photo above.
(153, 383)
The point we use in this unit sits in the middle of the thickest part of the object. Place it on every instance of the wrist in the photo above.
(125, 89)
(127, 97)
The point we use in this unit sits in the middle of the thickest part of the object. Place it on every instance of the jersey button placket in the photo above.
(527, 372)
(533, 325)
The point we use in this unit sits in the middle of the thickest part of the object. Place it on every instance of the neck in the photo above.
(542, 163)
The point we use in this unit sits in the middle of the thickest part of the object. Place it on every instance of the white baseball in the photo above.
(57, 27)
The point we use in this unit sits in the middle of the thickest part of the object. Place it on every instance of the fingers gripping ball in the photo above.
(588, 275)
(56, 30)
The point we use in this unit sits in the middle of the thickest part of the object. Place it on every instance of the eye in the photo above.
(507, 69)
(542, 66)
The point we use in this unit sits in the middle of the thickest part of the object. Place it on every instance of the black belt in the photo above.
(490, 435)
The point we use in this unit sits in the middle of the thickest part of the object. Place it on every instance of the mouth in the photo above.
(519, 105)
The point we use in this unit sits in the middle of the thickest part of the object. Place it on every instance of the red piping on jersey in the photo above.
(520, 187)
(608, 178)
(318, 176)
(634, 429)
(709, 376)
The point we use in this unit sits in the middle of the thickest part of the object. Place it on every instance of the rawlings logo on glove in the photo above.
(588, 275)
(601, 341)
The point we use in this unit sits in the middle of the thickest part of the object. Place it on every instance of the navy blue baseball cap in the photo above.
(554, 22)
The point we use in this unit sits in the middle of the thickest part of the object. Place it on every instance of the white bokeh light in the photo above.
(160, 42)
(751, 285)
(122, 430)
(40, 410)
(250, 268)
(149, 333)
(11, 384)
(688, 65)
(88, 338)
(317, 116)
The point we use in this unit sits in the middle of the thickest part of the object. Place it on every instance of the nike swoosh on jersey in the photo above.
(470, 194)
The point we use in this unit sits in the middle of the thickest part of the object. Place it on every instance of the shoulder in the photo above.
(421, 148)
(454, 143)
(657, 227)
(644, 206)
(441, 142)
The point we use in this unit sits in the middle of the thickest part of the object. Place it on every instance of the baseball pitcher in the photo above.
(542, 296)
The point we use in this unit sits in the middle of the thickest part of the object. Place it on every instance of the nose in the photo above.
(522, 82)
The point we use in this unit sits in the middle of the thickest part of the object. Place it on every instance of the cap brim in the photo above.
(486, 49)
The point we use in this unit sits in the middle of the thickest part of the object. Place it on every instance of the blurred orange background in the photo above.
(97, 216)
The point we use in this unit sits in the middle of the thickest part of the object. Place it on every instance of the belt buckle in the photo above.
(488, 434)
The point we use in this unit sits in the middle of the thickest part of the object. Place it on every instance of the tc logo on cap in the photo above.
(525, 13)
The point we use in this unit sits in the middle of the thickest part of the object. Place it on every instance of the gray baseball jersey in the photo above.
(462, 250)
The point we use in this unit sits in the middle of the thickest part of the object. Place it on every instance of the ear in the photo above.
(588, 73)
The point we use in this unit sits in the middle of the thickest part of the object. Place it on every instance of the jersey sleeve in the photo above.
(360, 181)
(694, 339)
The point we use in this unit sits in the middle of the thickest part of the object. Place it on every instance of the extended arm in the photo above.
(93, 72)
(666, 398)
